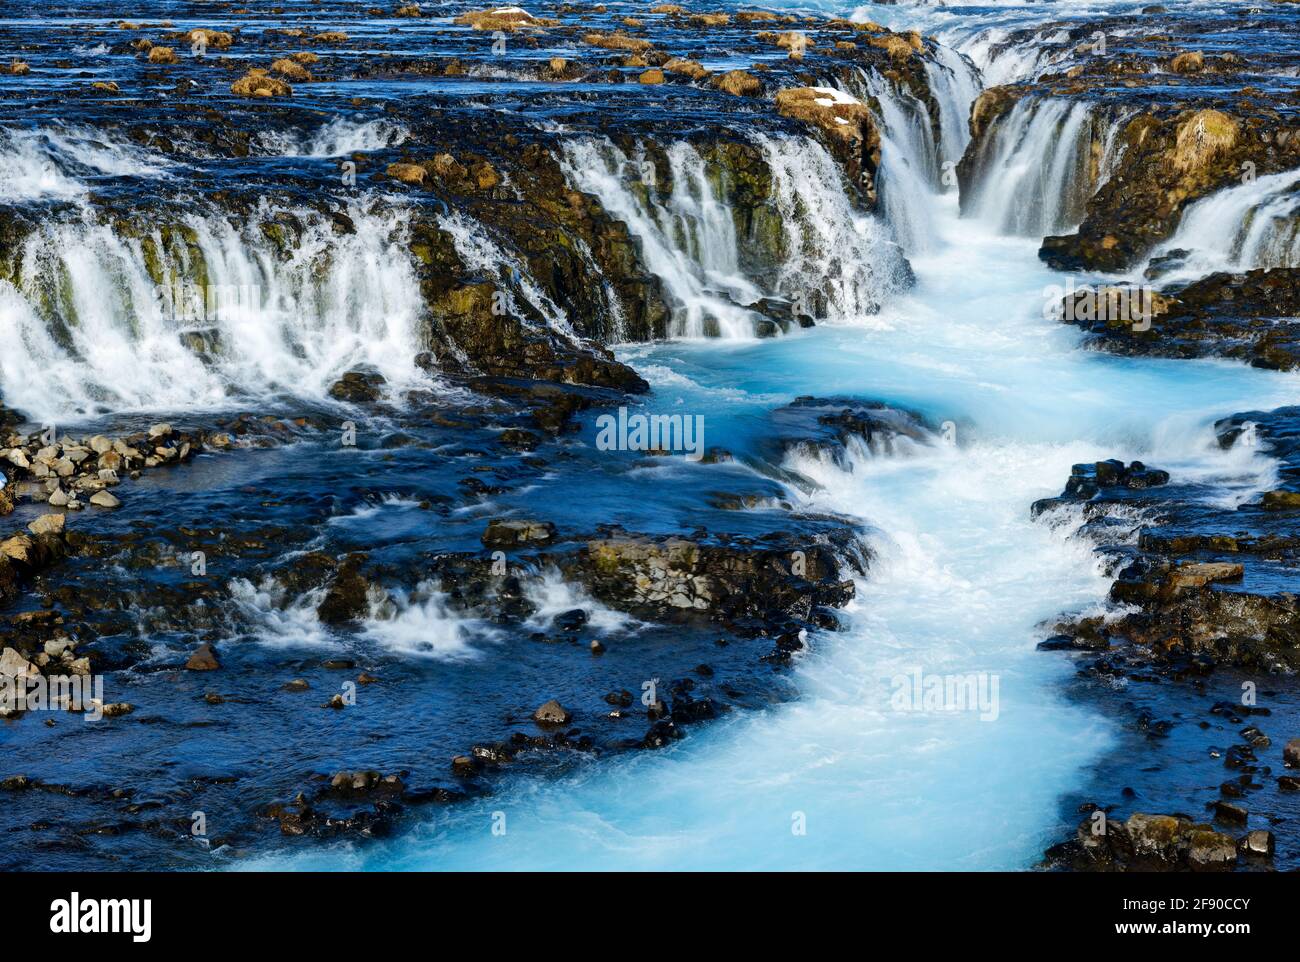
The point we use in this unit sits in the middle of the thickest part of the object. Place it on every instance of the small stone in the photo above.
(56, 647)
(14, 665)
(204, 658)
(1291, 753)
(100, 444)
(298, 684)
(1230, 814)
(464, 765)
(1258, 843)
(552, 713)
(104, 500)
(336, 702)
(47, 524)
(59, 499)
(597, 648)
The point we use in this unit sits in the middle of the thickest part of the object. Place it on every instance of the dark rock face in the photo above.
(1169, 843)
(1249, 317)
(1199, 591)
(834, 425)
(1173, 137)
(783, 579)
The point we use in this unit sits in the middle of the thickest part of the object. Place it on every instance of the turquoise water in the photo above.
(961, 581)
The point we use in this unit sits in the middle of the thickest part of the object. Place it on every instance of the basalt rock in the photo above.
(1249, 317)
(1144, 843)
(1195, 582)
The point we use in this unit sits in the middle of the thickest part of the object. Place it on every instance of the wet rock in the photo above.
(357, 387)
(1257, 844)
(503, 18)
(47, 524)
(203, 658)
(1291, 753)
(738, 83)
(348, 596)
(1211, 851)
(407, 173)
(552, 713)
(844, 123)
(1229, 814)
(259, 83)
(515, 534)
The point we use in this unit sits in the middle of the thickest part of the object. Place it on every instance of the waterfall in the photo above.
(688, 237)
(1034, 170)
(911, 164)
(202, 311)
(918, 155)
(336, 138)
(955, 83)
(846, 256)
(833, 261)
(65, 163)
(1251, 225)
(480, 252)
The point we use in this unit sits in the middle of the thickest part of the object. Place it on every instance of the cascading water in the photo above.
(1253, 225)
(98, 320)
(481, 252)
(63, 162)
(832, 253)
(688, 237)
(1033, 172)
(833, 260)
(336, 138)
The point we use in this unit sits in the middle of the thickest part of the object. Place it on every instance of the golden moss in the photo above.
(837, 114)
(287, 67)
(686, 68)
(616, 41)
(258, 83)
(1202, 137)
(738, 83)
(406, 173)
(503, 18)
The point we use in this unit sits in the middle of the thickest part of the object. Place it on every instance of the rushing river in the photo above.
(936, 304)
(962, 582)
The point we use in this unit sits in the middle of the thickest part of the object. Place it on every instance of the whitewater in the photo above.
(937, 304)
(962, 582)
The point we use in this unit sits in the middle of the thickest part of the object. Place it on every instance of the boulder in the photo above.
(203, 658)
(552, 713)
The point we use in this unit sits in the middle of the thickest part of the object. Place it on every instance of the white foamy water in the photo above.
(1254, 224)
(87, 328)
(961, 585)
(64, 162)
(1034, 170)
(276, 619)
(834, 260)
(336, 138)
(552, 596)
(420, 624)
